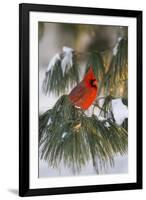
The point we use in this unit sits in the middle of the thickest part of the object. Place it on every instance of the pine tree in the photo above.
(68, 134)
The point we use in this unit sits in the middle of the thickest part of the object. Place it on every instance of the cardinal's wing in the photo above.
(78, 92)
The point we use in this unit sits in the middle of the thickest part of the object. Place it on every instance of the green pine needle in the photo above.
(73, 138)
(57, 82)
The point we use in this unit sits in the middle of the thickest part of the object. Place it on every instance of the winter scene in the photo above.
(83, 99)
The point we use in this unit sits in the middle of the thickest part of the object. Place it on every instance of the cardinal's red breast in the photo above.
(85, 92)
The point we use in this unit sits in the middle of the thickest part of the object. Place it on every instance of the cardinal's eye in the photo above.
(93, 83)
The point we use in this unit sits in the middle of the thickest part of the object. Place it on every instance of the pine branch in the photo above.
(117, 74)
(67, 135)
(58, 81)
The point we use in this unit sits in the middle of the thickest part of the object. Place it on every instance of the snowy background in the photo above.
(51, 43)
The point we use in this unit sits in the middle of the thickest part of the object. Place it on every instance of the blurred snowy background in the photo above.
(52, 38)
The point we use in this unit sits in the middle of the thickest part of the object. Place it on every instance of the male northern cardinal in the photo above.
(85, 92)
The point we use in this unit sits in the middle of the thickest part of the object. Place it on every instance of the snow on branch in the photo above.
(117, 111)
(66, 58)
(62, 72)
(67, 61)
(120, 111)
(53, 61)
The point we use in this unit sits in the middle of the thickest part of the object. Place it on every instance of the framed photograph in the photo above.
(80, 99)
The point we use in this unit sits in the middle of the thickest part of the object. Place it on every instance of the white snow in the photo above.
(67, 61)
(52, 62)
(115, 49)
(67, 49)
(89, 111)
(119, 39)
(107, 124)
(120, 167)
(120, 111)
(100, 118)
(92, 110)
(64, 134)
(49, 121)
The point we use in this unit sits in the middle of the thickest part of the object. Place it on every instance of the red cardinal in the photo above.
(85, 92)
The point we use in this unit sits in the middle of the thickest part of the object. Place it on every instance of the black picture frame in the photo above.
(24, 9)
